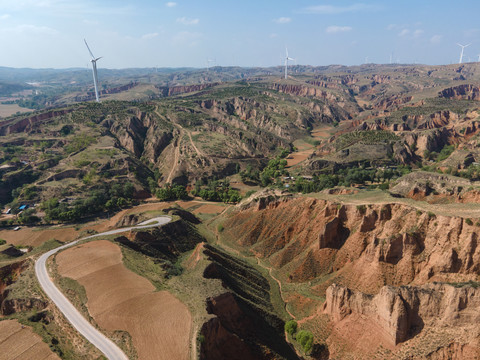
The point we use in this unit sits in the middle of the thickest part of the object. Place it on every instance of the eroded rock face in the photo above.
(333, 235)
(28, 123)
(418, 185)
(461, 92)
(368, 247)
(8, 305)
(11, 306)
(238, 333)
(404, 311)
(177, 90)
(300, 90)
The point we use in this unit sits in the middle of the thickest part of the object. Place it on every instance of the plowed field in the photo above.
(119, 299)
(22, 343)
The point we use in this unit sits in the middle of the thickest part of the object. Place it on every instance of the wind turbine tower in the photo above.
(208, 63)
(461, 52)
(286, 62)
(94, 69)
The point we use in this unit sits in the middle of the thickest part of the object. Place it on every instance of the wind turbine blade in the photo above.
(90, 51)
(286, 51)
(98, 58)
(468, 45)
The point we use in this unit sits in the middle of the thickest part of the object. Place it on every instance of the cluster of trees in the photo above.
(446, 151)
(303, 337)
(250, 175)
(101, 199)
(348, 177)
(274, 169)
(472, 172)
(216, 190)
(172, 192)
(28, 217)
(36, 102)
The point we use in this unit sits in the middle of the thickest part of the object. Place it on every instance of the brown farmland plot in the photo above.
(119, 299)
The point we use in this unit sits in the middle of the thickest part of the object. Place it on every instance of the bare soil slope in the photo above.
(311, 244)
(22, 343)
(118, 299)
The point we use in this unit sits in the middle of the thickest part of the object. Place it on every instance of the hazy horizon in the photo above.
(48, 34)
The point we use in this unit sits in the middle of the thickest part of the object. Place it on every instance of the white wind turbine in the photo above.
(208, 63)
(461, 53)
(94, 69)
(286, 62)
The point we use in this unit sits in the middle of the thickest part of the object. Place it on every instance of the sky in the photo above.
(187, 33)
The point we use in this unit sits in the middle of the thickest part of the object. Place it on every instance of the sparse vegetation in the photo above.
(366, 137)
(361, 209)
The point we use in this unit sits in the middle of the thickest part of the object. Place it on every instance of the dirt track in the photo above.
(158, 323)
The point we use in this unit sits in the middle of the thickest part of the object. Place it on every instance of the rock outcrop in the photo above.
(365, 247)
(461, 92)
(28, 123)
(184, 89)
(420, 185)
(402, 312)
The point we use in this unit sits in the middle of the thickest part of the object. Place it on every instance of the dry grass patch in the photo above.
(10, 109)
(209, 209)
(37, 236)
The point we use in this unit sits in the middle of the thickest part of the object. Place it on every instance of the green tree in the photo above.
(305, 339)
(291, 327)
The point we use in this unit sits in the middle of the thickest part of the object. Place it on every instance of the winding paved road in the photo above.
(105, 345)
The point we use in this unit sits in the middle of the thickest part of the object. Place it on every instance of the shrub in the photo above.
(291, 327)
(384, 186)
(361, 209)
(220, 228)
(3, 242)
(469, 221)
(305, 339)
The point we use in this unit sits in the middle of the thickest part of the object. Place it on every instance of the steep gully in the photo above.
(105, 345)
(367, 247)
